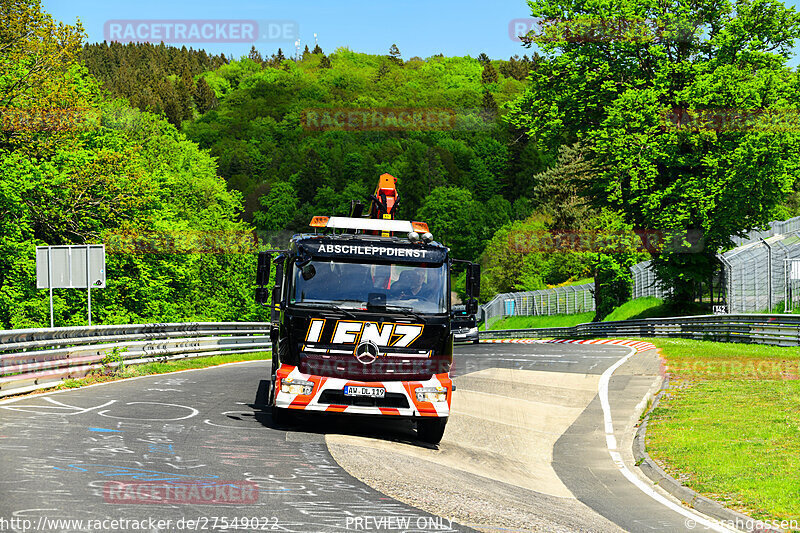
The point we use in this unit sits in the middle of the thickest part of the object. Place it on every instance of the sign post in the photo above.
(71, 267)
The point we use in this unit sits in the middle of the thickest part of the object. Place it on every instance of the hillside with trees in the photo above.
(256, 124)
(173, 156)
(690, 128)
(289, 167)
(94, 170)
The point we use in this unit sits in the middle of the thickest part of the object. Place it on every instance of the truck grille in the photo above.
(381, 370)
(337, 397)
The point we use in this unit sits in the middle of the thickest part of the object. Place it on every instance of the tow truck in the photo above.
(361, 317)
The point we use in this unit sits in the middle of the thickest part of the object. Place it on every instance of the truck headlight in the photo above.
(431, 394)
(473, 330)
(296, 386)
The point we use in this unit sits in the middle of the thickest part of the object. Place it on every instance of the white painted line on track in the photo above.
(28, 396)
(520, 360)
(611, 441)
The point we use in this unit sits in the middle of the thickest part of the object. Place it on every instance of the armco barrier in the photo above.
(34, 358)
(779, 330)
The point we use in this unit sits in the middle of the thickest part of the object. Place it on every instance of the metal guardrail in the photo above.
(34, 358)
(779, 330)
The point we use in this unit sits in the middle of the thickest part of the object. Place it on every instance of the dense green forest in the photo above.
(185, 163)
(467, 180)
(288, 171)
(95, 170)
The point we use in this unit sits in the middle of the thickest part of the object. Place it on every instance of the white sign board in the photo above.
(66, 267)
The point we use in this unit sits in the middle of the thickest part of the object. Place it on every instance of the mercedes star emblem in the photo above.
(367, 352)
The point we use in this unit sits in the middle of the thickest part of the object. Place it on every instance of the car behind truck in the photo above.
(465, 327)
(361, 318)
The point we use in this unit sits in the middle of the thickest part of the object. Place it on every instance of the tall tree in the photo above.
(489, 107)
(516, 68)
(185, 92)
(484, 182)
(700, 169)
(561, 191)
(278, 58)
(204, 97)
(121, 175)
(255, 55)
(489, 74)
(34, 54)
(394, 54)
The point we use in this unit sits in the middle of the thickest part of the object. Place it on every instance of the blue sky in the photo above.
(418, 27)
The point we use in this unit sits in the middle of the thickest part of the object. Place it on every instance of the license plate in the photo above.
(373, 392)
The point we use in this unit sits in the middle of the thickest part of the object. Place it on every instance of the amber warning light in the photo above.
(319, 222)
(420, 227)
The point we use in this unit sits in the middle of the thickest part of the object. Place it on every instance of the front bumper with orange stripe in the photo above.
(328, 395)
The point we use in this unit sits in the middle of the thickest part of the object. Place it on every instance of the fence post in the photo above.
(786, 285)
(769, 273)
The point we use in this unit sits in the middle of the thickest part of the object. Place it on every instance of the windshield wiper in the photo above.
(399, 308)
(327, 306)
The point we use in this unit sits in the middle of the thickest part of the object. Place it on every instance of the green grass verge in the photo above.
(652, 307)
(779, 309)
(728, 426)
(639, 308)
(551, 321)
(647, 307)
(158, 367)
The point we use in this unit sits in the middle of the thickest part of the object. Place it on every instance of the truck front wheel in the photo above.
(431, 430)
(281, 417)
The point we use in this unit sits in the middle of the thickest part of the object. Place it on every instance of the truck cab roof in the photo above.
(347, 237)
(367, 249)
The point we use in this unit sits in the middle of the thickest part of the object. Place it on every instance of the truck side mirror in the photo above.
(262, 295)
(262, 270)
(473, 280)
(472, 306)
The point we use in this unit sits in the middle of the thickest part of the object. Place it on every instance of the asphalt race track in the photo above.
(69, 455)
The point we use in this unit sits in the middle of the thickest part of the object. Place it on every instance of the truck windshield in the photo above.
(419, 288)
